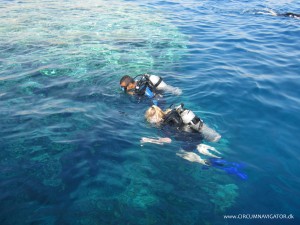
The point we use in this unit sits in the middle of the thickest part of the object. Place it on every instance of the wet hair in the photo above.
(127, 79)
(155, 114)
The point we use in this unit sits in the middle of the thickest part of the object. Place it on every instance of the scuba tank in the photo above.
(189, 118)
(195, 123)
(157, 82)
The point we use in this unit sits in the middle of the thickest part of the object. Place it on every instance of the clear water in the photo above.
(69, 139)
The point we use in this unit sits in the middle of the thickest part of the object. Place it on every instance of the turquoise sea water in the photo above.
(69, 139)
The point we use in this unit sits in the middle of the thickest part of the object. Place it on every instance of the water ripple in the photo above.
(70, 139)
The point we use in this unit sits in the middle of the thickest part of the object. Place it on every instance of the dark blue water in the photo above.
(70, 140)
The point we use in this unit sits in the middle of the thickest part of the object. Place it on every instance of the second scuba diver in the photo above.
(184, 120)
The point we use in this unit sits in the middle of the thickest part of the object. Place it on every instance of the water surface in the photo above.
(69, 139)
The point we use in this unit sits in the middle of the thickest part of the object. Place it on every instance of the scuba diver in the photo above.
(294, 15)
(289, 14)
(274, 13)
(185, 120)
(147, 85)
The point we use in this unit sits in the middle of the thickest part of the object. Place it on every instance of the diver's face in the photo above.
(127, 88)
(123, 86)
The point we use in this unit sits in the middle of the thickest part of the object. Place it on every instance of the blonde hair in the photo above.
(155, 114)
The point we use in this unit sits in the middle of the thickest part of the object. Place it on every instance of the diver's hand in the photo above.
(203, 149)
(192, 157)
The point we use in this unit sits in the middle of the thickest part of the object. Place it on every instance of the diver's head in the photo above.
(154, 114)
(127, 83)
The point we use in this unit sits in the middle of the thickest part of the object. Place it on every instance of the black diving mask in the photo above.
(124, 89)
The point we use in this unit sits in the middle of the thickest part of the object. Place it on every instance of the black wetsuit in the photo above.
(145, 87)
(173, 119)
(182, 132)
(294, 15)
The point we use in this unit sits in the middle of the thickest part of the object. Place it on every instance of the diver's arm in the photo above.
(159, 141)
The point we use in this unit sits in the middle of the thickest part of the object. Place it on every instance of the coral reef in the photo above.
(224, 196)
